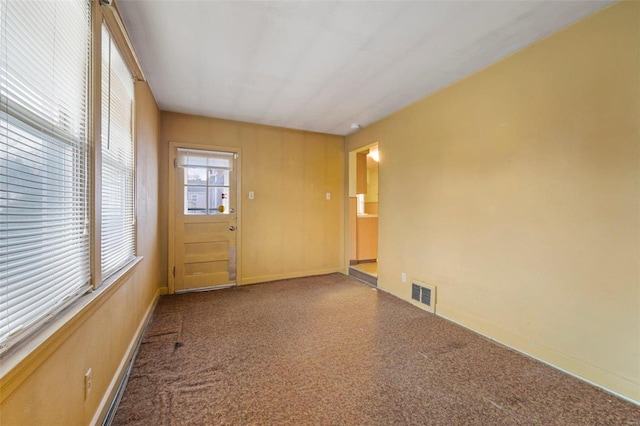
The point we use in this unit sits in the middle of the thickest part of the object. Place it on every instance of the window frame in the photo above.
(113, 275)
(33, 118)
(62, 321)
(109, 17)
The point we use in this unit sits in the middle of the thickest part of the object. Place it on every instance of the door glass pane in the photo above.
(195, 176)
(195, 200)
(218, 200)
(218, 177)
(206, 184)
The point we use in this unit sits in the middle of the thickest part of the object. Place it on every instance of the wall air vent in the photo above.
(425, 294)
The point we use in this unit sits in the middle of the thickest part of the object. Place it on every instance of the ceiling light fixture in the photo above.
(355, 126)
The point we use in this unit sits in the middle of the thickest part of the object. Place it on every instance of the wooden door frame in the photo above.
(173, 146)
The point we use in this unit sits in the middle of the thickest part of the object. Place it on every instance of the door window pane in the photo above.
(195, 176)
(195, 200)
(218, 177)
(207, 185)
(218, 200)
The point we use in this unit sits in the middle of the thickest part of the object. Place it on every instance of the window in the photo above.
(206, 181)
(44, 161)
(118, 174)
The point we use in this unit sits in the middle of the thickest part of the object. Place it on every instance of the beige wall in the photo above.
(352, 174)
(147, 163)
(47, 388)
(372, 182)
(289, 229)
(516, 192)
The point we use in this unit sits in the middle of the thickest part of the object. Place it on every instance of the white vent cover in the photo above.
(424, 294)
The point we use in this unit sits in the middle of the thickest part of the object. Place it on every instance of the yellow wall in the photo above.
(352, 174)
(372, 184)
(289, 229)
(516, 192)
(47, 388)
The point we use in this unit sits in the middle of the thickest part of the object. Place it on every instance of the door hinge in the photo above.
(175, 163)
(235, 156)
(174, 272)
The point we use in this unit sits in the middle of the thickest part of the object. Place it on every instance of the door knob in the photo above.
(232, 228)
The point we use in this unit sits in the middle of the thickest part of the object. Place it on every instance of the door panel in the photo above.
(206, 231)
(206, 252)
(205, 220)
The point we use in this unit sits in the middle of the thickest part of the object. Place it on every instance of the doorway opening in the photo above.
(363, 213)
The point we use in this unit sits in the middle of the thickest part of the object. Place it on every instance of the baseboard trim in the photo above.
(545, 355)
(276, 277)
(109, 403)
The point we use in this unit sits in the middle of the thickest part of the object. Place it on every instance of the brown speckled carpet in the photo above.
(329, 350)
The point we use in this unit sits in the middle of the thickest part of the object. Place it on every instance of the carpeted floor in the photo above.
(329, 350)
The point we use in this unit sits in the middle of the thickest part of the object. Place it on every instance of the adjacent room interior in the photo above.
(475, 162)
(363, 213)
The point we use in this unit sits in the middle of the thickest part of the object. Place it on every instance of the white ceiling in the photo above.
(323, 65)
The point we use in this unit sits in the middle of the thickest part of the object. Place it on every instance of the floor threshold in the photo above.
(363, 276)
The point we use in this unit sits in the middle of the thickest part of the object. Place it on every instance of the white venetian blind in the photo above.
(200, 158)
(44, 161)
(118, 227)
